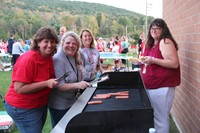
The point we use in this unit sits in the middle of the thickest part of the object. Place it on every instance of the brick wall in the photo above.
(183, 19)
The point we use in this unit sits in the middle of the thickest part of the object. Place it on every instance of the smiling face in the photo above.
(45, 41)
(70, 46)
(156, 32)
(46, 47)
(86, 39)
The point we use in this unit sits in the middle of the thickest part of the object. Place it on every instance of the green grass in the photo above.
(5, 80)
(111, 61)
(173, 128)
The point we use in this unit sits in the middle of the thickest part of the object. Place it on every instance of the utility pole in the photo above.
(126, 31)
(146, 19)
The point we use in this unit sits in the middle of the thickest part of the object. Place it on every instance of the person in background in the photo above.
(119, 43)
(4, 46)
(63, 30)
(162, 72)
(10, 45)
(91, 55)
(27, 45)
(141, 44)
(67, 59)
(4, 50)
(110, 44)
(124, 51)
(17, 50)
(100, 47)
(32, 80)
(115, 49)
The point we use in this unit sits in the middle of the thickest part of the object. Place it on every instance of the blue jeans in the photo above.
(27, 120)
(56, 115)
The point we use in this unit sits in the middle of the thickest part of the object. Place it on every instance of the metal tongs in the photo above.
(100, 79)
(63, 76)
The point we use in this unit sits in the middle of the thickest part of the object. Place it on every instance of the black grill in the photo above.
(132, 115)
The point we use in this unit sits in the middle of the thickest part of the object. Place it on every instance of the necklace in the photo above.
(75, 71)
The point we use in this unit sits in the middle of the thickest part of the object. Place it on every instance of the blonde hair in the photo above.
(76, 37)
(92, 45)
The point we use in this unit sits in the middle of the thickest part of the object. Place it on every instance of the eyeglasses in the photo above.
(155, 28)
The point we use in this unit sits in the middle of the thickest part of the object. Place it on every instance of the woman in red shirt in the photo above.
(32, 80)
(161, 72)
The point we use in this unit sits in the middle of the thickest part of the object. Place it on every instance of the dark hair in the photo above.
(11, 35)
(117, 37)
(115, 42)
(165, 34)
(44, 33)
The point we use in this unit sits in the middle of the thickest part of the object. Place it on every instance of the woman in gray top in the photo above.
(91, 55)
(67, 59)
(17, 50)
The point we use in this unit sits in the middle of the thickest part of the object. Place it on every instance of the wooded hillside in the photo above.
(25, 17)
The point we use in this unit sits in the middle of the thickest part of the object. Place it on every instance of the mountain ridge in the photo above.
(24, 17)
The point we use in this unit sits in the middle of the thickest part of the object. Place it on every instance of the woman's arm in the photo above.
(169, 53)
(73, 86)
(21, 87)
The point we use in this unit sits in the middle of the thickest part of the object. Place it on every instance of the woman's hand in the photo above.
(83, 85)
(51, 83)
(148, 60)
(134, 61)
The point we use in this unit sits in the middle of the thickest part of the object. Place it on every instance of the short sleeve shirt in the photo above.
(31, 67)
(92, 60)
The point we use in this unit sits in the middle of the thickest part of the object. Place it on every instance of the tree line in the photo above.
(25, 17)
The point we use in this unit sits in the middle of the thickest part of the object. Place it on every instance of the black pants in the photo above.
(10, 52)
(15, 57)
(124, 52)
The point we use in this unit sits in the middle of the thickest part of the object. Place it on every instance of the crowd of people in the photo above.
(13, 49)
(35, 86)
(115, 45)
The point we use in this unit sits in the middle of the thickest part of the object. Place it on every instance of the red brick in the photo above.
(183, 19)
